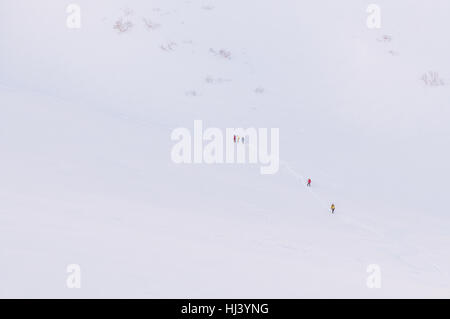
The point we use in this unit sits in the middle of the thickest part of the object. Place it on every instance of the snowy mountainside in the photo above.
(87, 178)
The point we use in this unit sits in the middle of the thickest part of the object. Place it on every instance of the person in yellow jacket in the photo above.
(332, 208)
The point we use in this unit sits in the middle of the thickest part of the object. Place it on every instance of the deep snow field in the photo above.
(86, 175)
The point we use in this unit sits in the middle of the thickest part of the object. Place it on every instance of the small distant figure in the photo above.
(309, 182)
(332, 208)
(235, 138)
(238, 139)
(243, 140)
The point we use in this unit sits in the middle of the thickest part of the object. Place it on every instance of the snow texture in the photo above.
(85, 170)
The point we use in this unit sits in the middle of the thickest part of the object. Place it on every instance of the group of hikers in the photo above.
(308, 184)
(237, 138)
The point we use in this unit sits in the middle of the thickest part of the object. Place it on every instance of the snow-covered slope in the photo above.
(87, 178)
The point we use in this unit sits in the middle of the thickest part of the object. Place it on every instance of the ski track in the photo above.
(351, 220)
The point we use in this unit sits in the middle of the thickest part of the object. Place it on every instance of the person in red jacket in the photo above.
(309, 182)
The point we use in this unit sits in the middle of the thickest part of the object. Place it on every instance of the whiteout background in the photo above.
(85, 170)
